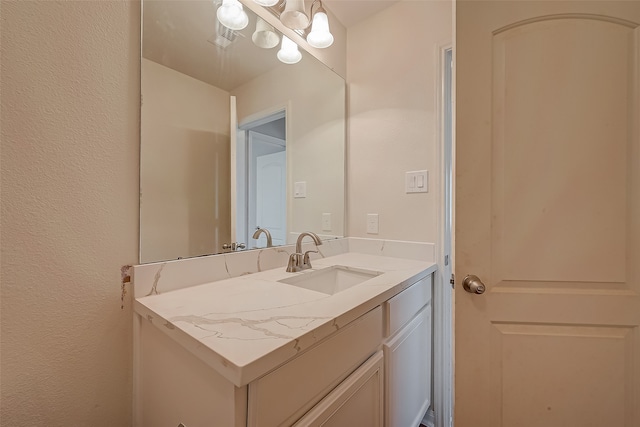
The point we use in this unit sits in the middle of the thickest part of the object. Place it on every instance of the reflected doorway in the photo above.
(262, 180)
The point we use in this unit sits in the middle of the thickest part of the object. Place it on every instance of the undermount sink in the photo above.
(331, 280)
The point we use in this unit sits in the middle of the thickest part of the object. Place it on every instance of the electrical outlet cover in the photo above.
(326, 222)
(372, 224)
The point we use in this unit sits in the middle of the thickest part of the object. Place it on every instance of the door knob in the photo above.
(473, 285)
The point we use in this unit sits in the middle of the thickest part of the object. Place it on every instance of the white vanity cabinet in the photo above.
(407, 354)
(393, 388)
(174, 387)
(374, 371)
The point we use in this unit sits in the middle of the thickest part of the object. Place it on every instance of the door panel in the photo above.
(561, 121)
(271, 196)
(548, 214)
(571, 374)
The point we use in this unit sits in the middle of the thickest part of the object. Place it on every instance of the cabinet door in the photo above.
(357, 401)
(408, 372)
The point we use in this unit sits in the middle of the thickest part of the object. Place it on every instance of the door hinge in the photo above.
(453, 281)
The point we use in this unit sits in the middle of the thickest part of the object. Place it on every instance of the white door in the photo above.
(266, 188)
(548, 214)
(271, 197)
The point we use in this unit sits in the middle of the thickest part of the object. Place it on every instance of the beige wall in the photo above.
(69, 219)
(392, 65)
(185, 202)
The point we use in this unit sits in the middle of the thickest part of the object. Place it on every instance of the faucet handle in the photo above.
(294, 264)
(306, 260)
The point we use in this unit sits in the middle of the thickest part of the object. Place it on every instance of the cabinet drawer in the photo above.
(357, 401)
(404, 306)
(285, 394)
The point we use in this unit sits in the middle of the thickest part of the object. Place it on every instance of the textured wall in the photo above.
(392, 73)
(69, 173)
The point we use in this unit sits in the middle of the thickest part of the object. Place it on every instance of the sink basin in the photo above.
(331, 280)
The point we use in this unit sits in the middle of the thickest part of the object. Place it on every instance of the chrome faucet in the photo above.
(256, 234)
(299, 261)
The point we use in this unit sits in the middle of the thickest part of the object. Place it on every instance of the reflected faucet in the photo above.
(256, 234)
(299, 261)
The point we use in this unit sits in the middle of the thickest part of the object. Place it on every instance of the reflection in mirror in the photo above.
(231, 135)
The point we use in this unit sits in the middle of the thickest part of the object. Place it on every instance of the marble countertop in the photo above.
(246, 326)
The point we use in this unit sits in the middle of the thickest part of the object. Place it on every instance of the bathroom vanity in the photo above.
(346, 343)
(234, 339)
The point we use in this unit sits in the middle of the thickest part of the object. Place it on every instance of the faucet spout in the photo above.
(299, 260)
(313, 235)
(256, 235)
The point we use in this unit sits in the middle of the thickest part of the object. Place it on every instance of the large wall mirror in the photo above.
(233, 139)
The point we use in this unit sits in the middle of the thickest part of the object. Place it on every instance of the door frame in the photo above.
(443, 295)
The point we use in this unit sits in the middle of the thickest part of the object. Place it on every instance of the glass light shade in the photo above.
(320, 36)
(265, 35)
(231, 15)
(293, 16)
(289, 53)
(267, 3)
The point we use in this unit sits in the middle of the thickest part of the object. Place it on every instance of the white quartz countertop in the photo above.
(246, 326)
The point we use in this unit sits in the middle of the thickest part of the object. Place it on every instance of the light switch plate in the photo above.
(417, 182)
(326, 222)
(300, 190)
(372, 224)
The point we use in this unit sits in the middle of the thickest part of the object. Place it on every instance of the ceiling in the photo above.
(181, 35)
(350, 12)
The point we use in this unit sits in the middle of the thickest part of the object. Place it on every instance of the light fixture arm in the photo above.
(314, 27)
